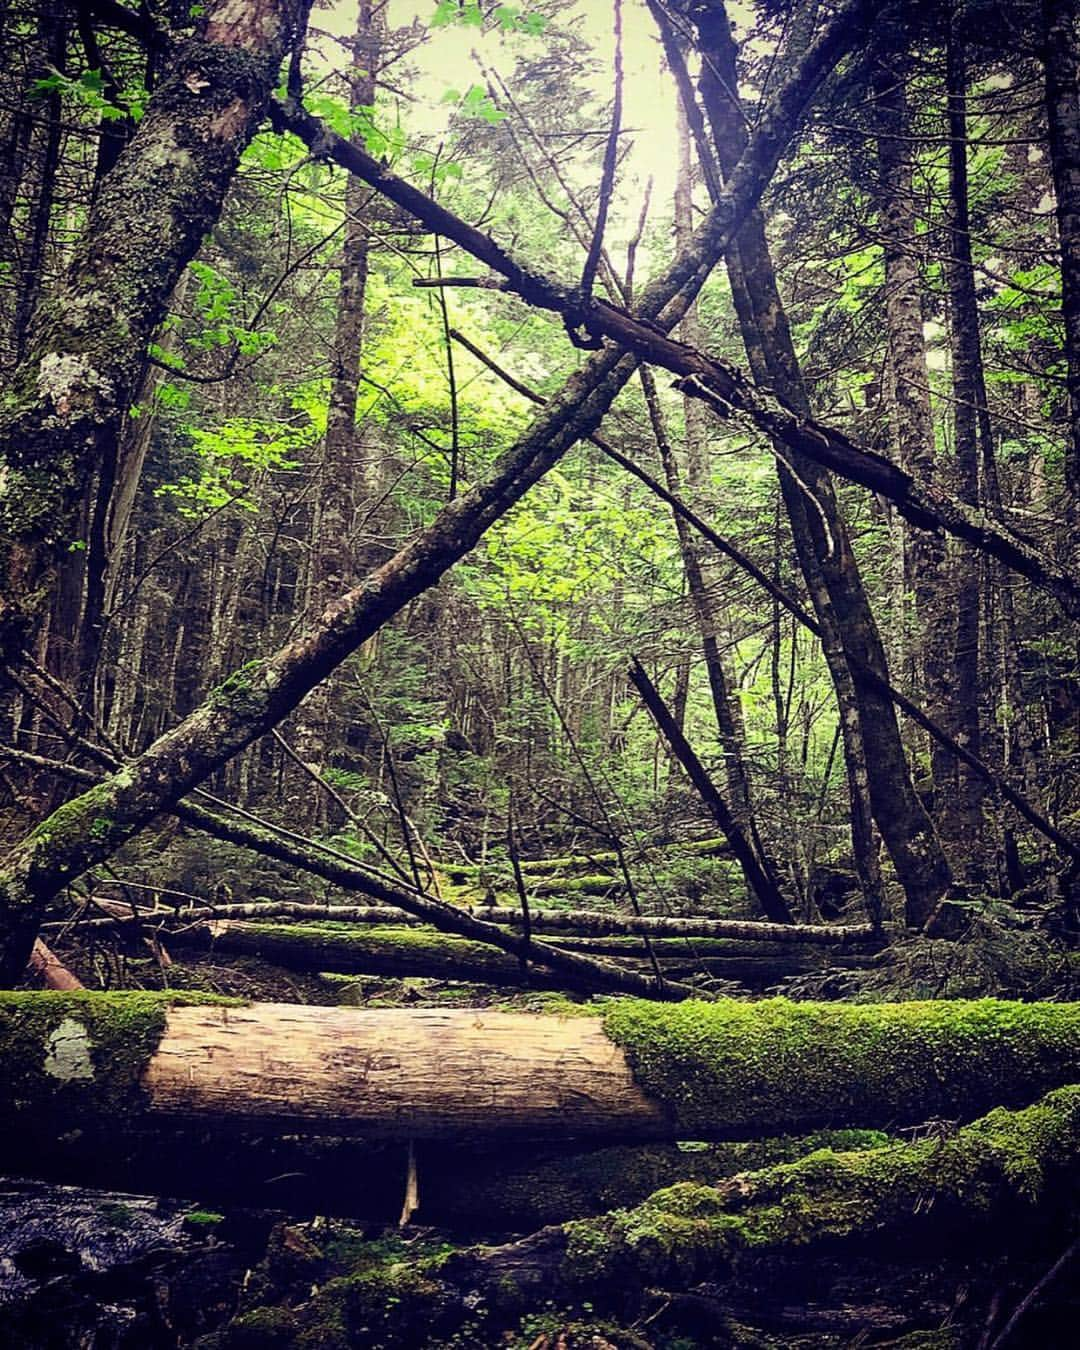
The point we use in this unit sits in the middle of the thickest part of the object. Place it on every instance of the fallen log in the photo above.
(599, 861)
(390, 951)
(587, 923)
(426, 953)
(751, 930)
(479, 1190)
(47, 966)
(1003, 1179)
(636, 1071)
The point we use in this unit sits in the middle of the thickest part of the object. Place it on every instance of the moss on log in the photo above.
(731, 1068)
(1002, 1167)
(601, 860)
(520, 1191)
(382, 950)
(79, 1057)
(402, 951)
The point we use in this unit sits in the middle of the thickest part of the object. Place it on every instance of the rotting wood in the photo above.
(47, 966)
(398, 1073)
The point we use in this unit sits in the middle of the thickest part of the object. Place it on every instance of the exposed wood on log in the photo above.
(389, 1072)
(47, 966)
(640, 1071)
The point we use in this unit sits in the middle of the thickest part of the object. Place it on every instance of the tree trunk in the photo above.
(87, 343)
(909, 387)
(823, 544)
(336, 559)
(962, 819)
(639, 1071)
(763, 885)
(45, 155)
(1061, 59)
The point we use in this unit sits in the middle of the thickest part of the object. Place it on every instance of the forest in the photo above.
(539, 674)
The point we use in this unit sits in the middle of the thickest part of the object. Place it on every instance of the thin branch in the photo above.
(336, 797)
(607, 177)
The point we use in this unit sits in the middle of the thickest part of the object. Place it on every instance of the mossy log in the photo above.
(637, 1071)
(577, 922)
(911, 1199)
(346, 949)
(603, 860)
(473, 1190)
(349, 949)
(593, 924)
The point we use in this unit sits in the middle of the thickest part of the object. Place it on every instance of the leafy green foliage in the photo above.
(475, 102)
(87, 92)
(506, 18)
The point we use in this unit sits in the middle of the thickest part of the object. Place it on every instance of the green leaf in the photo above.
(445, 14)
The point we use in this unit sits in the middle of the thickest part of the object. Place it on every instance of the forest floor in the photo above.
(265, 1246)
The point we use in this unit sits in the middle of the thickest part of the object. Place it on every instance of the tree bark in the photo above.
(586, 923)
(962, 816)
(872, 734)
(336, 562)
(1061, 60)
(912, 415)
(408, 953)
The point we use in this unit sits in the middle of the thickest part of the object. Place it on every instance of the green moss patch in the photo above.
(77, 1059)
(688, 1229)
(733, 1068)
